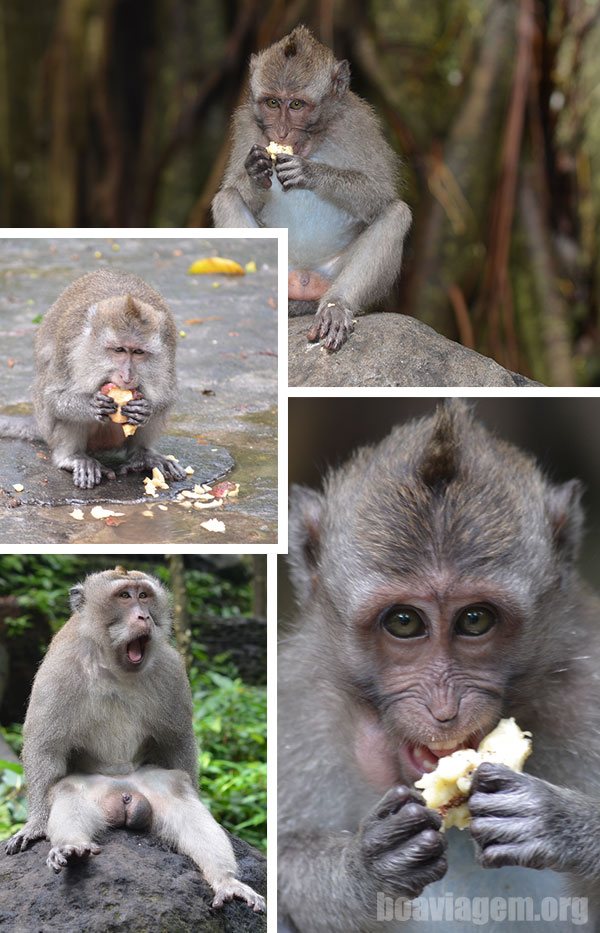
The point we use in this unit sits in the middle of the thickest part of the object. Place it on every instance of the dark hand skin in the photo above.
(259, 166)
(399, 846)
(333, 324)
(103, 407)
(293, 172)
(138, 411)
(519, 819)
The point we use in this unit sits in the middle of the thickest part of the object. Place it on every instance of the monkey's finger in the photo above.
(490, 778)
(498, 804)
(528, 855)
(398, 828)
(492, 830)
(394, 799)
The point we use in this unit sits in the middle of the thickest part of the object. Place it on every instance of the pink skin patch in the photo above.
(306, 286)
(135, 650)
(382, 765)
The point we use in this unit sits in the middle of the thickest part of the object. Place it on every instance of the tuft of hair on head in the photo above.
(440, 460)
(121, 570)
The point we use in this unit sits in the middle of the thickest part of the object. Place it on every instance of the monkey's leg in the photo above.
(230, 210)
(68, 443)
(75, 818)
(366, 272)
(145, 458)
(181, 820)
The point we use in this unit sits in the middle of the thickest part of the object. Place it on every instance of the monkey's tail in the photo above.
(23, 428)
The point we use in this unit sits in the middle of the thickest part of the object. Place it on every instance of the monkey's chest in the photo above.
(318, 231)
(114, 743)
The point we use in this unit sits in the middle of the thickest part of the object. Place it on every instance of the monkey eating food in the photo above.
(438, 594)
(335, 192)
(107, 327)
(108, 736)
(447, 788)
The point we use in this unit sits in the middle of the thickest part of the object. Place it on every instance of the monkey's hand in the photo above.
(259, 166)
(102, 407)
(31, 832)
(60, 856)
(293, 171)
(226, 891)
(519, 819)
(399, 846)
(138, 411)
(332, 324)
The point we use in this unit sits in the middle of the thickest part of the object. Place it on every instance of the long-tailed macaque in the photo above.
(110, 716)
(106, 327)
(438, 592)
(336, 193)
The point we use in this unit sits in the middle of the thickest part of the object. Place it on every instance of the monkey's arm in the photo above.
(330, 881)
(519, 819)
(43, 768)
(77, 407)
(347, 188)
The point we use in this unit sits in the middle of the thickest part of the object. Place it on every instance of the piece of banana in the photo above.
(274, 149)
(447, 788)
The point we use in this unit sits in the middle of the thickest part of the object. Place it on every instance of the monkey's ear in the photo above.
(76, 599)
(340, 78)
(304, 532)
(566, 517)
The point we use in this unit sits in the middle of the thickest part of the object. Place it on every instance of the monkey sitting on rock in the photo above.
(108, 736)
(335, 191)
(108, 327)
(437, 594)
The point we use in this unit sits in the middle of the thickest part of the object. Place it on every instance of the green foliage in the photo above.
(230, 725)
(13, 810)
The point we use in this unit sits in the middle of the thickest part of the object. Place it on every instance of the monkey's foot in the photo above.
(60, 856)
(332, 324)
(87, 472)
(227, 890)
(144, 459)
(306, 286)
(23, 839)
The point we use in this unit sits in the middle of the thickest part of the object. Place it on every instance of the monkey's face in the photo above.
(132, 625)
(287, 120)
(436, 664)
(126, 344)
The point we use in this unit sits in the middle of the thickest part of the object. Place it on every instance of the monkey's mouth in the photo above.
(422, 759)
(136, 650)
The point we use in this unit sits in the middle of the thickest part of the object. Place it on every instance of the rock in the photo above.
(28, 464)
(391, 350)
(135, 884)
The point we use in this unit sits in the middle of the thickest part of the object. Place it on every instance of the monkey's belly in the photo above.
(318, 231)
(105, 437)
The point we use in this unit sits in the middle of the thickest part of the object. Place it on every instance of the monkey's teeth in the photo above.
(424, 759)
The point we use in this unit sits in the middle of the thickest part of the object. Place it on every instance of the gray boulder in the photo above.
(135, 884)
(391, 350)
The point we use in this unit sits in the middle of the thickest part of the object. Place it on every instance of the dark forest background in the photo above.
(115, 113)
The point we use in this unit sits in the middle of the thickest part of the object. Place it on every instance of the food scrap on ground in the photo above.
(216, 264)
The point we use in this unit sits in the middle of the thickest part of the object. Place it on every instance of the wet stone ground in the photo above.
(224, 423)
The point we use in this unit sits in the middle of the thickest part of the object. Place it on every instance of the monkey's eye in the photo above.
(143, 595)
(120, 350)
(402, 622)
(124, 595)
(272, 102)
(475, 620)
(296, 104)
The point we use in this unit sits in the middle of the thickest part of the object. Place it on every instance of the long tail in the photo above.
(20, 427)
